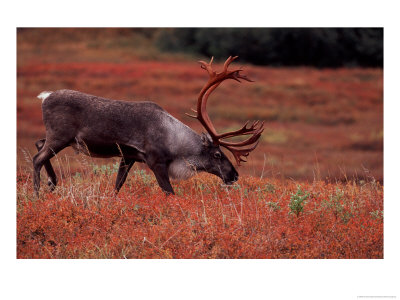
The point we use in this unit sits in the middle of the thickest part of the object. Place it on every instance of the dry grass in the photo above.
(255, 218)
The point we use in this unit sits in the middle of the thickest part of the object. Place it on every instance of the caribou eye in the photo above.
(217, 155)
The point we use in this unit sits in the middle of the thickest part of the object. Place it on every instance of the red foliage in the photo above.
(205, 220)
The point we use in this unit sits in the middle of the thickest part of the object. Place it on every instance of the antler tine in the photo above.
(238, 153)
(254, 138)
(192, 116)
(228, 62)
(207, 66)
(244, 130)
(204, 63)
(237, 75)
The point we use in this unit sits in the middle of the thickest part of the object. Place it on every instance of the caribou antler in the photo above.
(255, 129)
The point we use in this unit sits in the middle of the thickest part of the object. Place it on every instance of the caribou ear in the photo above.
(206, 139)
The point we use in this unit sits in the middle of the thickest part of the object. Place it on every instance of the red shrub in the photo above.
(250, 220)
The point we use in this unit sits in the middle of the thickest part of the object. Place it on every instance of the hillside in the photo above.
(320, 123)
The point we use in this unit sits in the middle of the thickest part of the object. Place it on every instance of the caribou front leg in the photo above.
(124, 167)
(160, 170)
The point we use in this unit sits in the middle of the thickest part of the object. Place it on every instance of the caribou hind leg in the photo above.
(47, 151)
(52, 180)
(124, 167)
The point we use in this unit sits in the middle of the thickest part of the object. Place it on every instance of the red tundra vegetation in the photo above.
(313, 188)
(255, 218)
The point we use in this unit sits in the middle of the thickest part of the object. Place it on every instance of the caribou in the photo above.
(142, 132)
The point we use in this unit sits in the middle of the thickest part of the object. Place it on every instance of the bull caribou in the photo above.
(142, 132)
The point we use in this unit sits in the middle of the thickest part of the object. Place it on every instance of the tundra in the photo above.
(142, 132)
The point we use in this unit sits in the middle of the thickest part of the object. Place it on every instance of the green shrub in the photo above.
(105, 169)
(298, 200)
(340, 208)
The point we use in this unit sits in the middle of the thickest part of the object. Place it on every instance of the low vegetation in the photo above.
(255, 218)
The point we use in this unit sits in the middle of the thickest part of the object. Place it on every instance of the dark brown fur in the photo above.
(134, 131)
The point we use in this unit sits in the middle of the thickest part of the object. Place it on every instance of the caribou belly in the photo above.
(181, 169)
